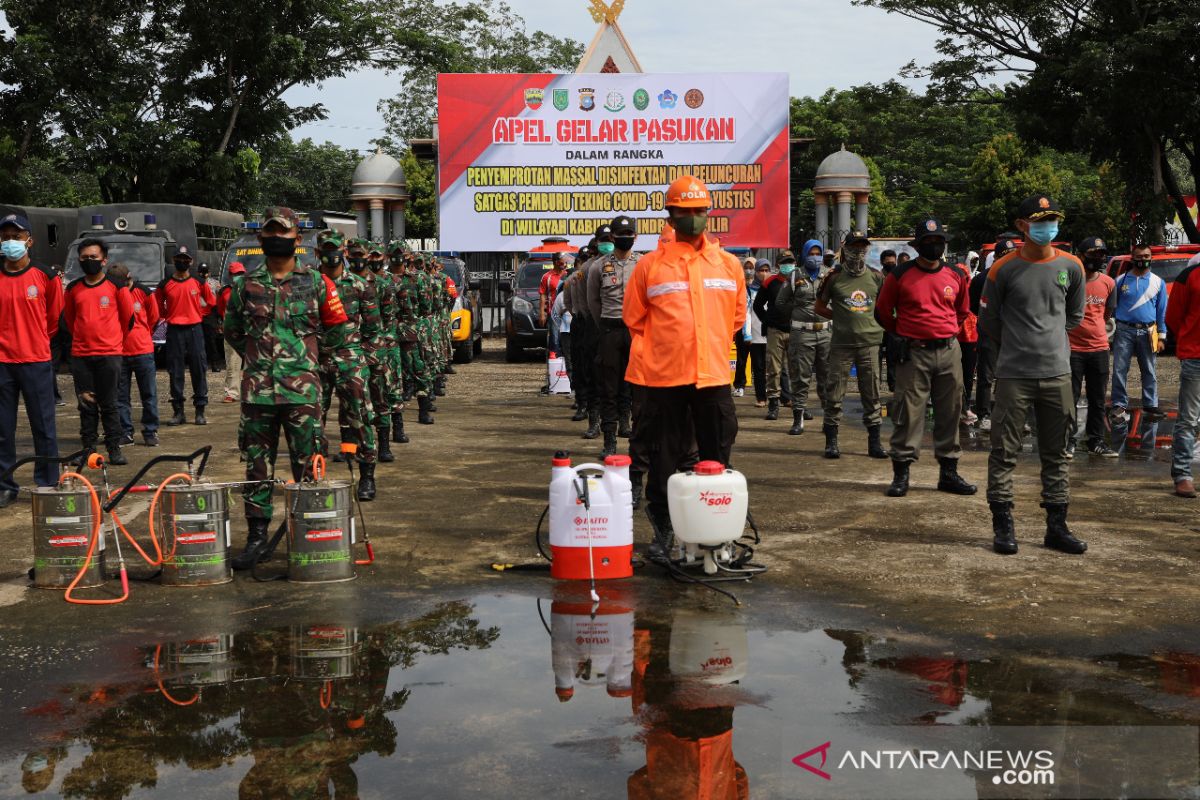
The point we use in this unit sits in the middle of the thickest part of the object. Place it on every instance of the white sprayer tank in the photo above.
(708, 505)
(607, 525)
(708, 647)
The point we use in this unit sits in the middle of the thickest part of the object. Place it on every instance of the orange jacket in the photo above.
(684, 305)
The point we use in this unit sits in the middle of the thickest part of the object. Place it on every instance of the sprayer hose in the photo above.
(93, 540)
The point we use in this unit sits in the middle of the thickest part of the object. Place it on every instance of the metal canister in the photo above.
(193, 521)
(205, 661)
(323, 652)
(62, 526)
(320, 531)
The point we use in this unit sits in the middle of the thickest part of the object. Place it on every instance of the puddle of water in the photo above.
(515, 696)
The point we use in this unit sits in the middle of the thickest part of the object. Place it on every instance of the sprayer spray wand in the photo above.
(97, 460)
(581, 489)
(349, 449)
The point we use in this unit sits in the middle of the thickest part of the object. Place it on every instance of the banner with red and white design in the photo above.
(526, 157)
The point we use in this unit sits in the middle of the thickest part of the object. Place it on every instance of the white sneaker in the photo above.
(1118, 414)
(739, 392)
(985, 424)
(969, 417)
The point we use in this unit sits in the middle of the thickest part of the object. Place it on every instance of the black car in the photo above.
(523, 330)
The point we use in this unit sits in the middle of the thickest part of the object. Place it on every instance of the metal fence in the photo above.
(492, 270)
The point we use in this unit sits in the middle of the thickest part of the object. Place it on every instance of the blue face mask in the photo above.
(13, 249)
(606, 247)
(813, 264)
(1043, 232)
(787, 269)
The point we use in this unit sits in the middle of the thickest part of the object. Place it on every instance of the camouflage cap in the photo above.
(330, 236)
(375, 248)
(284, 216)
(396, 246)
(358, 243)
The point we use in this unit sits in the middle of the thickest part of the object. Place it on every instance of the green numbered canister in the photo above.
(192, 521)
(62, 527)
(320, 531)
(324, 652)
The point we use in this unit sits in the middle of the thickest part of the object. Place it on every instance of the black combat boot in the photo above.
(385, 447)
(398, 434)
(899, 486)
(950, 481)
(593, 430)
(797, 422)
(1058, 535)
(772, 408)
(831, 443)
(439, 386)
(874, 446)
(635, 480)
(625, 426)
(432, 405)
(200, 418)
(179, 418)
(256, 545)
(1004, 534)
(660, 548)
(366, 482)
(610, 444)
(450, 370)
(339, 457)
(116, 457)
(580, 412)
(423, 415)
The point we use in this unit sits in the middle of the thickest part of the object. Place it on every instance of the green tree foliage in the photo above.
(420, 214)
(306, 175)
(1112, 78)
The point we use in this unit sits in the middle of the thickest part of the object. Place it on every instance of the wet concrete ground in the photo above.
(432, 675)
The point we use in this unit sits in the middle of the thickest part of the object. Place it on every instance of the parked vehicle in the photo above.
(523, 329)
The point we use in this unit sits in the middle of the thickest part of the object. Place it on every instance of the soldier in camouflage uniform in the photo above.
(277, 319)
(435, 288)
(403, 267)
(379, 361)
(424, 295)
(394, 397)
(449, 294)
(344, 367)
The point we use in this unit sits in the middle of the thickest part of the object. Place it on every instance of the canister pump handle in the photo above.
(76, 458)
(201, 454)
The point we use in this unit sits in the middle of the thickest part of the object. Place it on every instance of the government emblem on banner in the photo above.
(641, 99)
(587, 99)
(534, 97)
(667, 99)
(562, 99)
(694, 98)
(615, 101)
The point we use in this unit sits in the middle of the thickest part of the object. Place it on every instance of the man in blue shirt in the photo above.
(1141, 324)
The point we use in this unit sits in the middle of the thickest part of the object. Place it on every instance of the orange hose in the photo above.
(163, 689)
(154, 540)
(318, 467)
(153, 508)
(92, 541)
(326, 694)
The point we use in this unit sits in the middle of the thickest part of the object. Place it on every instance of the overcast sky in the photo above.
(820, 43)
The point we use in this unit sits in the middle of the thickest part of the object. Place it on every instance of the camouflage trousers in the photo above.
(381, 381)
(428, 353)
(416, 373)
(395, 397)
(447, 341)
(259, 435)
(350, 378)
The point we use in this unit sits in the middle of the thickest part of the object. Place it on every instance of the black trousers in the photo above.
(96, 382)
(970, 359)
(1092, 369)
(185, 351)
(671, 418)
(583, 356)
(758, 370)
(612, 359)
(743, 355)
(984, 368)
(214, 344)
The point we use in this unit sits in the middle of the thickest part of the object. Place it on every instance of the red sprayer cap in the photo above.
(618, 461)
(709, 468)
(561, 459)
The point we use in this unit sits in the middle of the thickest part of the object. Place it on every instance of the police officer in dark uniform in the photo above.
(585, 361)
(607, 278)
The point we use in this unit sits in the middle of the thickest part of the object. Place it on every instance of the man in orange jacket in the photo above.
(683, 302)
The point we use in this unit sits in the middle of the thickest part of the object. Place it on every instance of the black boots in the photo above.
(256, 545)
(423, 415)
(439, 386)
(625, 427)
(593, 424)
(339, 457)
(450, 370)
(116, 457)
(398, 434)
(831, 444)
(950, 481)
(772, 408)
(899, 486)
(797, 422)
(366, 482)
(660, 548)
(1058, 535)
(385, 448)
(635, 479)
(1004, 536)
(178, 419)
(580, 413)
(874, 446)
(610, 444)
(200, 418)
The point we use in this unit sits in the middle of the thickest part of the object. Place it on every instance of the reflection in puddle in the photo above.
(649, 701)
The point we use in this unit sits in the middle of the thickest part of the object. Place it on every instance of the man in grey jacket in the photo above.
(1031, 298)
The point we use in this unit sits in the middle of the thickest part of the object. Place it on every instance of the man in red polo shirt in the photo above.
(31, 302)
(1183, 321)
(923, 303)
(1089, 345)
(137, 363)
(97, 313)
(184, 302)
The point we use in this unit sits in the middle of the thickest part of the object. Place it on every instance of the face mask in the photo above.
(13, 249)
(91, 266)
(931, 251)
(183, 266)
(331, 259)
(1094, 263)
(625, 243)
(360, 266)
(689, 226)
(1142, 264)
(787, 269)
(855, 261)
(813, 264)
(749, 275)
(1043, 232)
(888, 266)
(278, 247)
(605, 248)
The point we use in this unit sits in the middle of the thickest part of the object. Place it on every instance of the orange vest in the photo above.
(684, 305)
